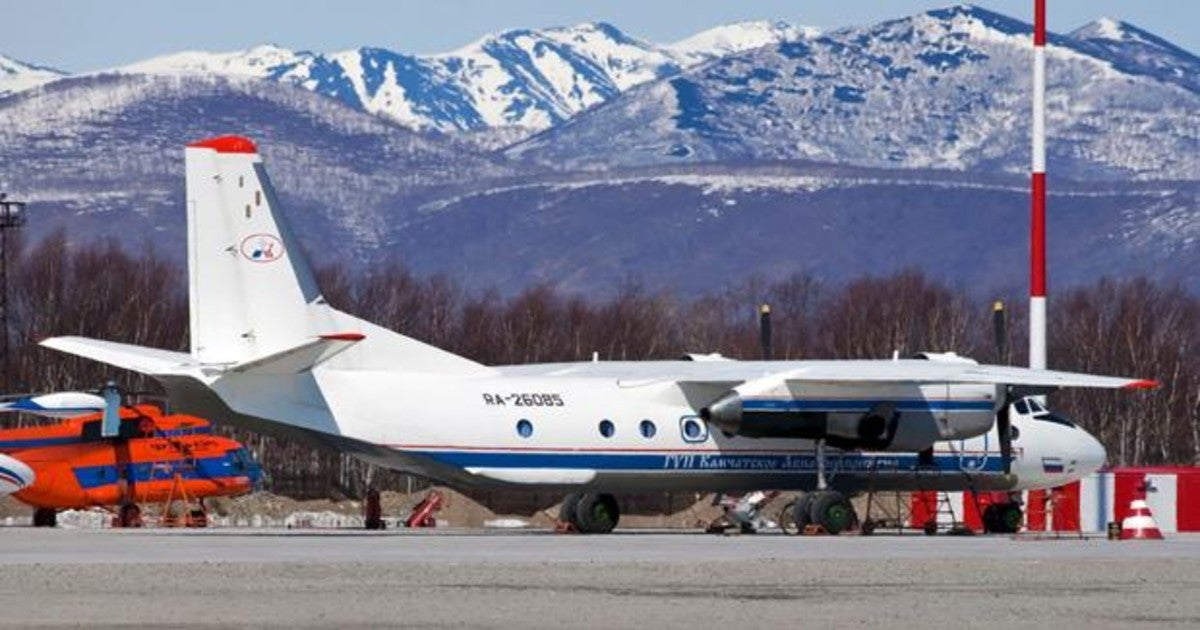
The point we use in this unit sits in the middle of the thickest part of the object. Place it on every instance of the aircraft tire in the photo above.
(1002, 518)
(597, 513)
(800, 515)
(45, 517)
(566, 511)
(832, 511)
(787, 519)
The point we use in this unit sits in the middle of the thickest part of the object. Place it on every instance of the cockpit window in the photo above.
(1035, 406)
(238, 458)
(1022, 408)
(1056, 419)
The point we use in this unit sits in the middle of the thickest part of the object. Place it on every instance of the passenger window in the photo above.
(648, 429)
(524, 428)
(607, 429)
(693, 430)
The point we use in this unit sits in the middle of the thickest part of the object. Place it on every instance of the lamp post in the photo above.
(12, 215)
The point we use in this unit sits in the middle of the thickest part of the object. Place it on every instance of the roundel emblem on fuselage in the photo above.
(262, 248)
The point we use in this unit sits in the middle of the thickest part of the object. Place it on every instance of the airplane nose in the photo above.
(1091, 455)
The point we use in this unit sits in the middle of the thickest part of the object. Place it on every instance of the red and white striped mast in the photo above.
(1037, 242)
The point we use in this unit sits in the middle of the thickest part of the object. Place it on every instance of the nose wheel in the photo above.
(1002, 518)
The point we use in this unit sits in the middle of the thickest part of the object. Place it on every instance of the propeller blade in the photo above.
(1004, 428)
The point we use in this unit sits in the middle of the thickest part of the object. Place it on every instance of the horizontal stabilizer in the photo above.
(301, 358)
(125, 356)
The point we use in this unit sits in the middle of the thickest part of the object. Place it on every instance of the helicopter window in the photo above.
(1022, 407)
(237, 459)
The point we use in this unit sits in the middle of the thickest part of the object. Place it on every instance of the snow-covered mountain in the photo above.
(525, 78)
(16, 75)
(856, 151)
(103, 156)
(946, 89)
(1134, 50)
(735, 38)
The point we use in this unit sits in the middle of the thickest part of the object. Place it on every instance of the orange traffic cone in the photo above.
(1140, 524)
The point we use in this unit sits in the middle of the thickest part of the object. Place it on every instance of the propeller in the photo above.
(1004, 428)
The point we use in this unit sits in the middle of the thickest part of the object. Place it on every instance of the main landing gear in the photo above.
(828, 509)
(589, 512)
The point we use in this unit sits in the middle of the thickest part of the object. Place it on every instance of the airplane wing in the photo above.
(936, 372)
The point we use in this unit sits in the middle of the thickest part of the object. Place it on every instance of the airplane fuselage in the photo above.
(559, 429)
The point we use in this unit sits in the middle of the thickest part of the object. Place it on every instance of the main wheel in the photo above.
(566, 511)
(832, 511)
(800, 515)
(787, 519)
(45, 517)
(597, 513)
(130, 515)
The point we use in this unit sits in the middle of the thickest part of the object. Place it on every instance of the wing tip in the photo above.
(346, 336)
(1143, 384)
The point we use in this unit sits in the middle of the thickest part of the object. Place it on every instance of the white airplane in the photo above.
(268, 353)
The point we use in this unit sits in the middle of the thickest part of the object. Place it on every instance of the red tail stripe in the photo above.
(226, 144)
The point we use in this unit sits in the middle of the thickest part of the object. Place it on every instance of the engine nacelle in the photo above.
(884, 427)
(874, 430)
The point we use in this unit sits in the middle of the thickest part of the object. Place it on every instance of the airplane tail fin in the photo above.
(252, 294)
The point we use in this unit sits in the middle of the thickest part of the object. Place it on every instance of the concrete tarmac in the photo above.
(473, 579)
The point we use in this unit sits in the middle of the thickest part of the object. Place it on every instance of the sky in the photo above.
(85, 35)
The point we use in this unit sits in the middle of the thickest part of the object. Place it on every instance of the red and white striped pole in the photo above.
(1037, 242)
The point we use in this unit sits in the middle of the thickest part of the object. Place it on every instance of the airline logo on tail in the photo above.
(262, 248)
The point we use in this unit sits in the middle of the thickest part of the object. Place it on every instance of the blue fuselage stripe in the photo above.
(207, 468)
(707, 461)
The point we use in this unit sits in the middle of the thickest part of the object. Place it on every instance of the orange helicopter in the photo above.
(106, 454)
